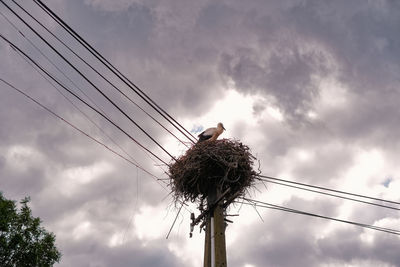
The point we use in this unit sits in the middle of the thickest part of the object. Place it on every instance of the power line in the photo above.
(73, 83)
(78, 129)
(80, 99)
(90, 82)
(50, 61)
(333, 195)
(114, 70)
(76, 107)
(176, 217)
(261, 204)
(98, 73)
(327, 189)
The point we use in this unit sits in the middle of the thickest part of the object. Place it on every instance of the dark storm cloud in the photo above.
(362, 37)
(361, 40)
(149, 46)
(285, 76)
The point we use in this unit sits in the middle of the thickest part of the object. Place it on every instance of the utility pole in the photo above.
(214, 245)
(207, 243)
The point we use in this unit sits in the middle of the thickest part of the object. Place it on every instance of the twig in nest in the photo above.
(209, 166)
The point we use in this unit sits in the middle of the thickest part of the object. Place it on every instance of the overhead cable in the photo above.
(78, 129)
(333, 195)
(98, 73)
(90, 82)
(116, 72)
(79, 98)
(257, 203)
(267, 178)
(76, 86)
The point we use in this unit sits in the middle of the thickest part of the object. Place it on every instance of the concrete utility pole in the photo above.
(214, 245)
(207, 243)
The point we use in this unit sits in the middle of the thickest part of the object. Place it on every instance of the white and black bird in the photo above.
(211, 134)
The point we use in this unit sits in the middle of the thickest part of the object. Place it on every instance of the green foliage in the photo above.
(23, 242)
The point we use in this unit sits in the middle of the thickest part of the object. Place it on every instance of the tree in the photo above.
(23, 242)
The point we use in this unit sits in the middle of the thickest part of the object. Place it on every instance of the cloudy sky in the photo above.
(312, 87)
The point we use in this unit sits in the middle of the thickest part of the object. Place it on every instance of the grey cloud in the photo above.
(369, 121)
(131, 254)
(284, 239)
(286, 78)
(22, 183)
(354, 37)
(325, 165)
(363, 43)
(217, 17)
(342, 247)
(259, 107)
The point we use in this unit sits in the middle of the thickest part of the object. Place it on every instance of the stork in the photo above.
(211, 134)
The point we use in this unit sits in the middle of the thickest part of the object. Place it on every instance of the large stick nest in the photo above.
(210, 165)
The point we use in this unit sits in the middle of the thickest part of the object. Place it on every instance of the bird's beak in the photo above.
(223, 128)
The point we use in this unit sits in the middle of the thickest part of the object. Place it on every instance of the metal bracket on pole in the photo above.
(197, 220)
